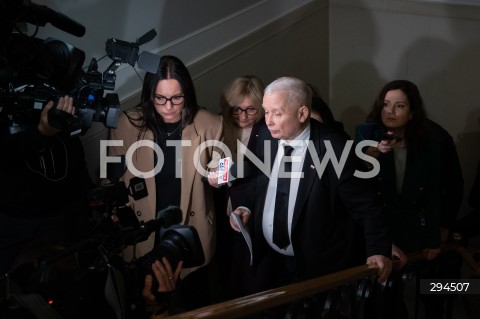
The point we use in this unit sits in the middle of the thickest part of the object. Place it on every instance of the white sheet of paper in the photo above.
(245, 234)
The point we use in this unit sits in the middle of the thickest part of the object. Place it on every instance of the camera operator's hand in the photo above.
(167, 282)
(64, 104)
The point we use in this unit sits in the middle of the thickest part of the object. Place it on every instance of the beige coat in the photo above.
(196, 199)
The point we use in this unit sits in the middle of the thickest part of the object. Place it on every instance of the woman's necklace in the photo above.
(174, 131)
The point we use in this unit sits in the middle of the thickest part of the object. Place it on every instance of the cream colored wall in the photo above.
(437, 46)
(350, 48)
(295, 44)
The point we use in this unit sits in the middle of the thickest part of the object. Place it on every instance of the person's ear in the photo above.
(303, 113)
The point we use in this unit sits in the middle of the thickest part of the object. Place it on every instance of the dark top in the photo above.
(237, 190)
(167, 185)
(414, 213)
(469, 225)
(45, 191)
(451, 177)
(474, 197)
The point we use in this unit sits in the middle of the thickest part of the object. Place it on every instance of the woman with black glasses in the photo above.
(165, 140)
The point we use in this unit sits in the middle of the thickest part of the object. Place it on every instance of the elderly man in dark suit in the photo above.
(331, 219)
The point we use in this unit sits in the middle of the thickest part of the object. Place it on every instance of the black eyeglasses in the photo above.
(175, 100)
(249, 111)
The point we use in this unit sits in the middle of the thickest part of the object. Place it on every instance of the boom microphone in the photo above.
(147, 37)
(41, 15)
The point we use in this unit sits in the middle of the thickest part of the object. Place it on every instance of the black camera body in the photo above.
(122, 51)
(38, 71)
(34, 71)
(91, 106)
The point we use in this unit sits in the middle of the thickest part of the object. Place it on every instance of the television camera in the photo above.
(90, 279)
(110, 202)
(34, 71)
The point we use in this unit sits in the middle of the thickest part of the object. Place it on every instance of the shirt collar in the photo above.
(300, 141)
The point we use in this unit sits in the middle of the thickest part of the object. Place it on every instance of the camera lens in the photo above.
(173, 248)
(179, 243)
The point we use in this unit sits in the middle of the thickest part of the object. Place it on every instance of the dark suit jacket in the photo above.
(239, 186)
(451, 177)
(337, 221)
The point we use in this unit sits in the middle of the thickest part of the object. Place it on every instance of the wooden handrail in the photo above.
(255, 303)
(270, 298)
(459, 250)
(466, 256)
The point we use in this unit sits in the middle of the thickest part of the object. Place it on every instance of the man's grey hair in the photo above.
(297, 92)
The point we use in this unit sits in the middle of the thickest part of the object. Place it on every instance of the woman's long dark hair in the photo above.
(170, 67)
(417, 132)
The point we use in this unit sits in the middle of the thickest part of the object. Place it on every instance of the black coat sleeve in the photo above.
(359, 198)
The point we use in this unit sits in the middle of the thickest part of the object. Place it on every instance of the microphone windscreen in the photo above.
(172, 215)
(167, 217)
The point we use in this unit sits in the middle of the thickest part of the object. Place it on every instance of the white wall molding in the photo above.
(230, 50)
(468, 9)
(229, 29)
(246, 43)
(201, 43)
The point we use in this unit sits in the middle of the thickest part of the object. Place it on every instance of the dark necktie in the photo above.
(280, 218)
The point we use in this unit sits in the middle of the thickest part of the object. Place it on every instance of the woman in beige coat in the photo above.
(169, 117)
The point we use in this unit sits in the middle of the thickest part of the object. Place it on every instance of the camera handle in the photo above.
(109, 76)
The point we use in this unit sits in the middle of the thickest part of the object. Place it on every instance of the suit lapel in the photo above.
(263, 180)
(274, 149)
(188, 166)
(309, 175)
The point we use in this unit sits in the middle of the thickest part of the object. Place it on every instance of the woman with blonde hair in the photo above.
(242, 111)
